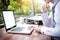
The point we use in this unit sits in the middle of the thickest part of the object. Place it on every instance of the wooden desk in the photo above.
(33, 36)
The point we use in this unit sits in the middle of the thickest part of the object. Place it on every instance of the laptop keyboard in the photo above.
(18, 29)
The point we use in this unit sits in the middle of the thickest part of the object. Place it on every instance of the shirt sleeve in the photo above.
(46, 19)
(51, 31)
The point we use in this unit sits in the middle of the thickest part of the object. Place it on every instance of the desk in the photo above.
(33, 36)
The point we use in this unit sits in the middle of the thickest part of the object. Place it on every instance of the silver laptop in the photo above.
(10, 23)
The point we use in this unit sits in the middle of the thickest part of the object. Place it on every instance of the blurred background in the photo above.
(22, 7)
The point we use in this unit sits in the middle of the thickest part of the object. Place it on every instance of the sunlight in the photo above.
(39, 1)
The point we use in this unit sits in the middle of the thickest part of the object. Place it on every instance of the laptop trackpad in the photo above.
(18, 29)
(23, 30)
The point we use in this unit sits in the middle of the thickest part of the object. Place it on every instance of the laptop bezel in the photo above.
(4, 20)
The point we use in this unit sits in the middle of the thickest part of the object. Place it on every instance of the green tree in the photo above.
(3, 5)
(26, 7)
(37, 7)
(19, 6)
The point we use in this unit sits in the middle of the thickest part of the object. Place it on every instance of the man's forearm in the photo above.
(50, 31)
(46, 20)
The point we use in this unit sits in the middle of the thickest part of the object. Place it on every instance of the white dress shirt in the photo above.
(47, 21)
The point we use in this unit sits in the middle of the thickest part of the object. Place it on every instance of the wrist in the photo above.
(43, 11)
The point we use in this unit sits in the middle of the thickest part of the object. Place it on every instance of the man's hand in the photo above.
(38, 29)
(45, 7)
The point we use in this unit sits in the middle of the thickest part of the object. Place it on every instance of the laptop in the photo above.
(10, 24)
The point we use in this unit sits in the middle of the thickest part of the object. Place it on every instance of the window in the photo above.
(20, 7)
(38, 5)
(24, 7)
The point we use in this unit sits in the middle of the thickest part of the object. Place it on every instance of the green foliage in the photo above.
(49, 11)
(1, 5)
(26, 7)
(23, 7)
(13, 5)
(19, 8)
(1, 19)
(37, 8)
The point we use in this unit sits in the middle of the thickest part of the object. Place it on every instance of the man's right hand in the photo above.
(45, 7)
(35, 28)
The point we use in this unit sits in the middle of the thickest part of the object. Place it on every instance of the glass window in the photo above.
(37, 5)
(20, 7)
(23, 7)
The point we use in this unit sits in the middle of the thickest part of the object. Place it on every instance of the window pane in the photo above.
(37, 6)
(20, 7)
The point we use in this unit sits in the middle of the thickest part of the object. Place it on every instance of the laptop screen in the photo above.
(9, 19)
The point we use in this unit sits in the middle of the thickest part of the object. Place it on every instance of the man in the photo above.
(53, 20)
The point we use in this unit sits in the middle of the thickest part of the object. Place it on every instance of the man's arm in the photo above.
(46, 19)
(56, 30)
(51, 31)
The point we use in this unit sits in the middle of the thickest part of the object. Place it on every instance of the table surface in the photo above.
(33, 36)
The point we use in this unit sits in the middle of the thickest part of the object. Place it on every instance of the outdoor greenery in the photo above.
(23, 7)
(1, 20)
(3, 6)
(37, 7)
(20, 7)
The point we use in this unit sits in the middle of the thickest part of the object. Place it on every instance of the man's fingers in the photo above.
(45, 7)
(31, 27)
